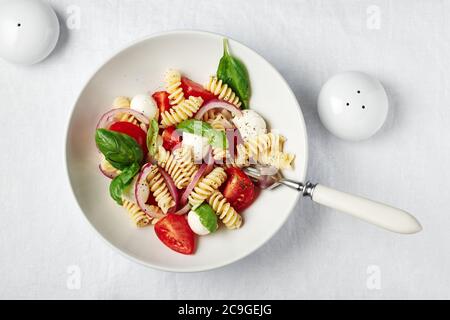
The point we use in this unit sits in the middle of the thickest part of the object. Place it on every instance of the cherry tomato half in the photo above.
(171, 138)
(133, 131)
(239, 190)
(162, 101)
(174, 231)
(191, 88)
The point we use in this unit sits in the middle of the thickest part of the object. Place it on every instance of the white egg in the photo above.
(29, 30)
(145, 104)
(353, 105)
(199, 144)
(250, 124)
(196, 225)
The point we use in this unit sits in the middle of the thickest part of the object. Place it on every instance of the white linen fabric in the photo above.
(48, 250)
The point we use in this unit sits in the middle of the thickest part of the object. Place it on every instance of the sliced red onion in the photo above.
(217, 104)
(111, 116)
(192, 184)
(184, 210)
(172, 189)
(230, 134)
(239, 139)
(142, 192)
(108, 172)
(209, 165)
(226, 124)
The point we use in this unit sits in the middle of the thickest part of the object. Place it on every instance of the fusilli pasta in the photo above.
(159, 189)
(206, 186)
(173, 87)
(226, 213)
(219, 154)
(222, 91)
(219, 122)
(264, 149)
(121, 102)
(124, 102)
(139, 218)
(178, 165)
(181, 112)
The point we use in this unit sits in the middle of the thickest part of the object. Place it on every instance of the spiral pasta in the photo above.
(219, 122)
(124, 102)
(173, 87)
(206, 186)
(159, 189)
(125, 117)
(226, 213)
(181, 112)
(219, 154)
(121, 102)
(264, 149)
(222, 91)
(279, 160)
(139, 218)
(178, 165)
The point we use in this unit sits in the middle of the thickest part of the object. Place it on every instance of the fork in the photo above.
(376, 213)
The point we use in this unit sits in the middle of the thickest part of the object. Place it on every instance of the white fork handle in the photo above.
(376, 213)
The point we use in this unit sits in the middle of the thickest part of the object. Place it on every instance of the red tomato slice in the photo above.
(133, 131)
(162, 101)
(171, 138)
(174, 232)
(239, 190)
(191, 88)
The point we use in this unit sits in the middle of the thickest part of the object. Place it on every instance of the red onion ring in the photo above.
(230, 134)
(192, 184)
(142, 192)
(110, 117)
(184, 210)
(209, 163)
(217, 104)
(172, 189)
(239, 139)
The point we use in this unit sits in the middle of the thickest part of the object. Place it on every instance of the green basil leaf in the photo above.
(234, 73)
(152, 137)
(119, 149)
(207, 216)
(119, 183)
(216, 138)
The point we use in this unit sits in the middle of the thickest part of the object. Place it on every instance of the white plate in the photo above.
(140, 68)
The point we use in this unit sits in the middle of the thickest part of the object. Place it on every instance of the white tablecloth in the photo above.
(47, 249)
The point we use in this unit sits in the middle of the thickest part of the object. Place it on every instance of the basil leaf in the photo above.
(152, 137)
(234, 73)
(119, 149)
(207, 216)
(119, 183)
(216, 138)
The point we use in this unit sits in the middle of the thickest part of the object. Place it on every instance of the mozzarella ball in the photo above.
(196, 225)
(250, 124)
(199, 144)
(146, 105)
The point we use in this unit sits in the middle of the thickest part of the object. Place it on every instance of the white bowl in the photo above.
(140, 68)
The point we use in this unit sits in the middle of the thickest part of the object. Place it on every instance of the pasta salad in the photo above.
(175, 156)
